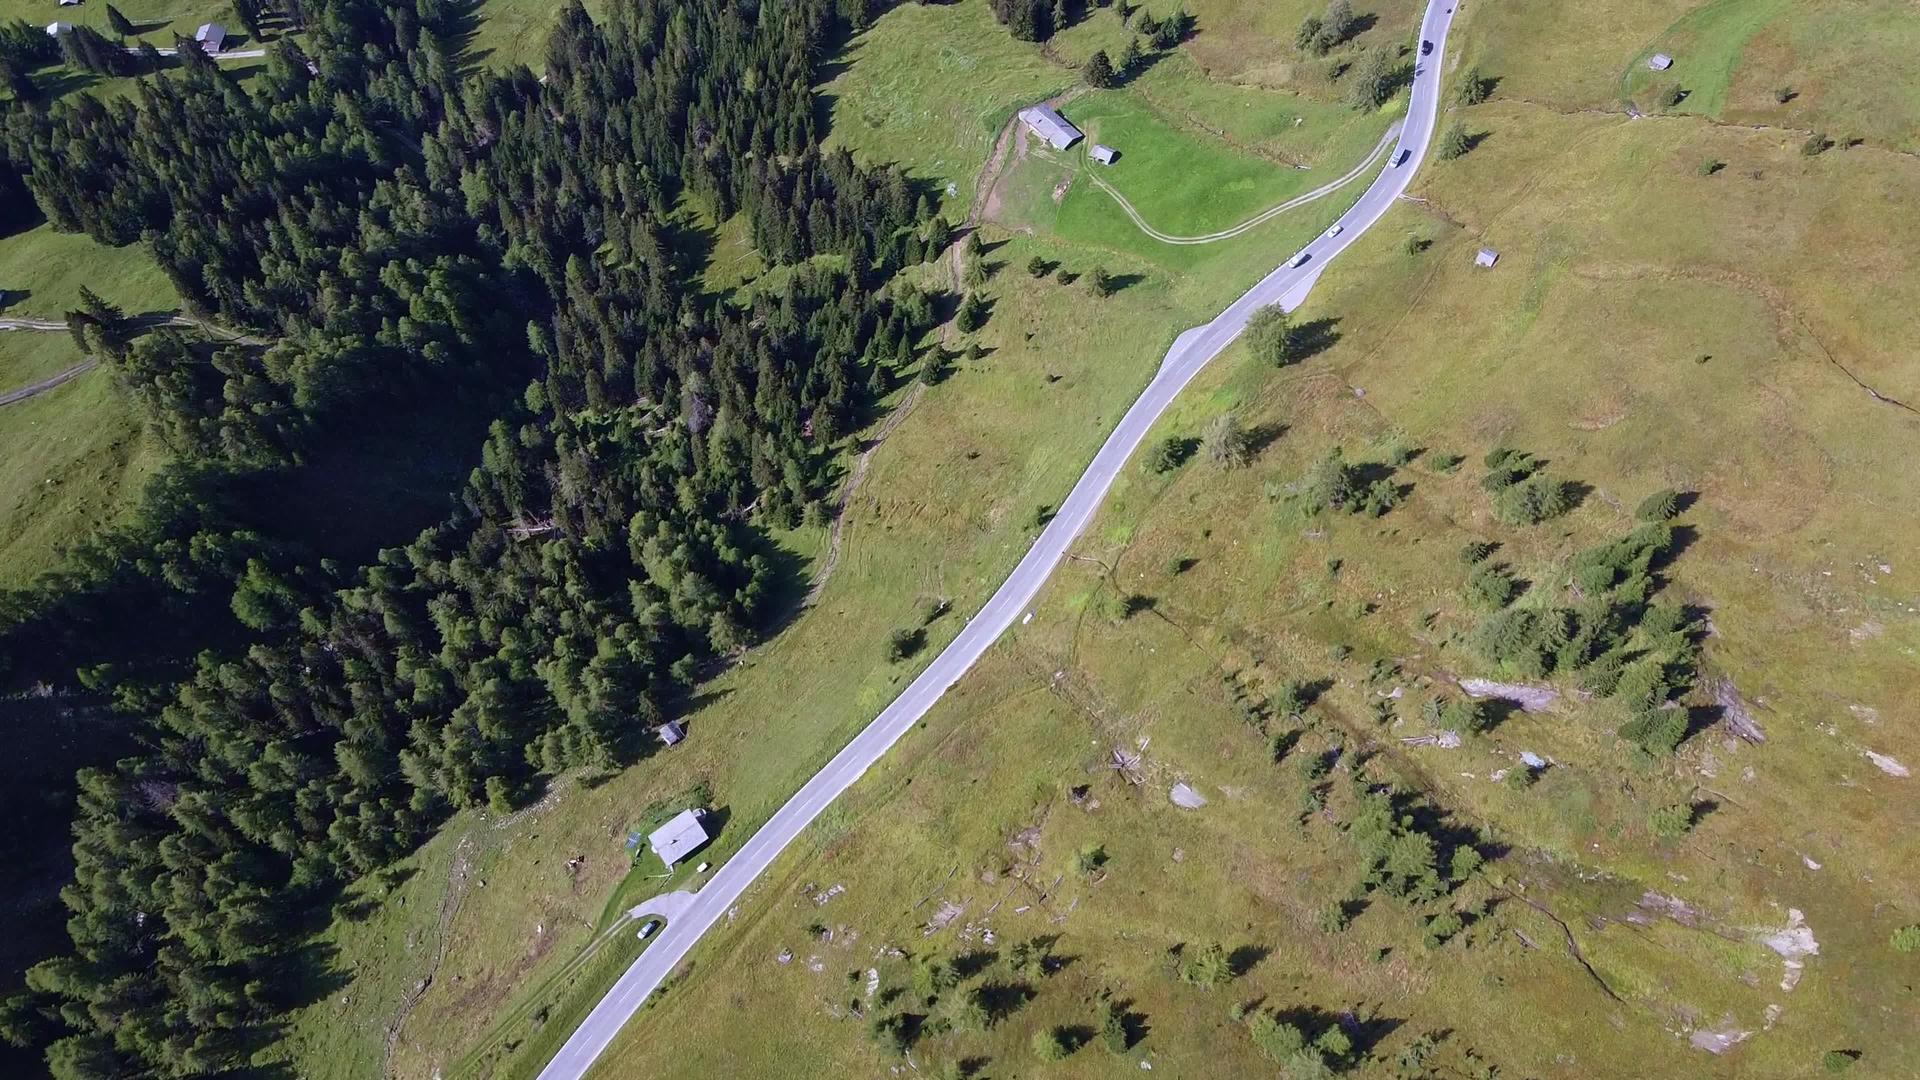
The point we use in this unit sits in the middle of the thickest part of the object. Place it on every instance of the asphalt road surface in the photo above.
(1191, 351)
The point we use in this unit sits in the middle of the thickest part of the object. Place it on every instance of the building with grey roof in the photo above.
(679, 837)
(1046, 122)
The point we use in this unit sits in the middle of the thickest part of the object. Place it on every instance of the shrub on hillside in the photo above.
(1052, 1044)
(1657, 731)
(1491, 586)
(1671, 822)
(1662, 505)
(1207, 967)
(1531, 501)
(1227, 444)
(1271, 336)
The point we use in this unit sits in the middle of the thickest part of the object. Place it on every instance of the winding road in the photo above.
(1191, 351)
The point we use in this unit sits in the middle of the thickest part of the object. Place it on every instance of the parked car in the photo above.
(647, 928)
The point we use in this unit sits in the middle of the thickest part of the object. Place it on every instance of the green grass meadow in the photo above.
(73, 460)
(949, 504)
(930, 86)
(41, 272)
(1650, 324)
(1638, 334)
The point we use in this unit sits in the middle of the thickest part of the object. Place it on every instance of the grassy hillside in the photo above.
(41, 272)
(1679, 303)
(1732, 331)
(1635, 349)
(946, 506)
(72, 460)
(156, 21)
(75, 458)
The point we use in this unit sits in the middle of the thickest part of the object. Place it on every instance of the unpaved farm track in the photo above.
(49, 326)
(12, 397)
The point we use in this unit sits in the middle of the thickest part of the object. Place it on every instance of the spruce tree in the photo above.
(1098, 71)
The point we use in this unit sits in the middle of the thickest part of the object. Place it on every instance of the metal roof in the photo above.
(1104, 154)
(1047, 122)
(678, 837)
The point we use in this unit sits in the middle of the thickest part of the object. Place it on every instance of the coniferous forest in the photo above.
(377, 229)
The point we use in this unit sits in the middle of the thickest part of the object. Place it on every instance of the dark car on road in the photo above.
(1426, 48)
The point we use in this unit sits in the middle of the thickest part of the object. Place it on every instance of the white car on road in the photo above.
(1336, 230)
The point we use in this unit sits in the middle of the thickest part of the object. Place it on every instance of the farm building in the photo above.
(69, 3)
(1104, 154)
(212, 37)
(1486, 257)
(57, 28)
(671, 732)
(678, 838)
(1046, 122)
(1660, 61)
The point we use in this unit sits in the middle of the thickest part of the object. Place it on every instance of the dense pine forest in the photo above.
(377, 230)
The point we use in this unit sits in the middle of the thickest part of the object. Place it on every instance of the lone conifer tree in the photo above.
(1099, 71)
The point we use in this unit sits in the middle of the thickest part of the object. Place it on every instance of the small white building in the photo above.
(678, 838)
(1486, 257)
(55, 29)
(1659, 61)
(69, 3)
(212, 37)
(671, 732)
(1104, 154)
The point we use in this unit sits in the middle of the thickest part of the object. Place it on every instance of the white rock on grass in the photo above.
(1186, 798)
(1888, 765)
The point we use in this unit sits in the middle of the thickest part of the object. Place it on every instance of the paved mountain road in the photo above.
(1191, 351)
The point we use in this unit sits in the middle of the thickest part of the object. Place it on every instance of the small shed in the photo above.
(69, 3)
(1659, 61)
(55, 29)
(212, 37)
(671, 732)
(1104, 154)
(1046, 122)
(1486, 257)
(678, 838)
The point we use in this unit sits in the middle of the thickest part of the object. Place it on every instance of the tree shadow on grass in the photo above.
(1247, 957)
(1495, 711)
(1076, 1036)
(463, 27)
(968, 964)
(1315, 336)
(1140, 67)
(1002, 999)
(1261, 436)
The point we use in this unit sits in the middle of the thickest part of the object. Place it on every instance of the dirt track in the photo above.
(11, 397)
